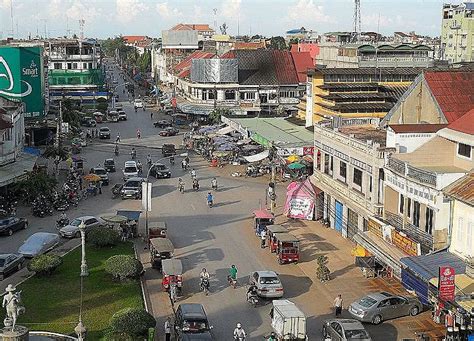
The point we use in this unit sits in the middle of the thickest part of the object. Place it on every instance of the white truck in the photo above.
(288, 322)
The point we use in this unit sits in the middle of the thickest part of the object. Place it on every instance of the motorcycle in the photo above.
(214, 185)
(133, 154)
(172, 161)
(232, 282)
(205, 285)
(252, 299)
(181, 188)
(209, 203)
(116, 151)
(62, 222)
(196, 185)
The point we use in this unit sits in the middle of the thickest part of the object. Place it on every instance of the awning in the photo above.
(257, 157)
(383, 251)
(263, 214)
(131, 215)
(15, 171)
(225, 130)
(427, 266)
(464, 284)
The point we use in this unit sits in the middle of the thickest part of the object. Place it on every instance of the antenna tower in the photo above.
(357, 19)
(215, 18)
(81, 28)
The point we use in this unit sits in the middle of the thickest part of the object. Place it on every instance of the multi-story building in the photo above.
(457, 32)
(140, 43)
(75, 69)
(354, 92)
(204, 31)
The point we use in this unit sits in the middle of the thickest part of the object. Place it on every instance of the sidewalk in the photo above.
(346, 278)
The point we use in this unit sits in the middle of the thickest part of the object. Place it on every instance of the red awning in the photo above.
(263, 214)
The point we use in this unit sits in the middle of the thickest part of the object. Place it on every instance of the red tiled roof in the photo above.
(453, 91)
(284, 67)
(190, 27)
(184, 74)
(312, 48)
(303, 62)
(133, 39)
(417, 128)
(464, 124)
(186, 63)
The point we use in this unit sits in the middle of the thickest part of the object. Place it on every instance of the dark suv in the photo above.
(132, 188)
(191, 319)
(159, 170)
(168, 149)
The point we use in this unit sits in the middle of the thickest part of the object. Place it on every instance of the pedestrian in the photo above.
(338, 305)
(96, 133)
(92, 133)
(151, 115)
(263, 237)
(139, 134)
(99, 185)
(168, 329)
(117, 140)
(88, 133)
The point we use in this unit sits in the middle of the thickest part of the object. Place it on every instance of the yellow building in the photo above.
(354, 93)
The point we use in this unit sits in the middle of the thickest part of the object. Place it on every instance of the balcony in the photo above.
(57, 56)
(395, 62)
(420, 175)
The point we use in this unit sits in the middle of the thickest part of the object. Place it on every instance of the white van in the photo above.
(130, 170)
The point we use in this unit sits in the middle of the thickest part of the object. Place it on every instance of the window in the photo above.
(401, 204)
(429, 220)
(69, 66)
(416, 213)
(57, 66)
(370, 183)
(357, 178)
(464, 150)
(84, 66)
(332, 164)
(90, 65)
(247, 96)
(74, 66)
(408, 207)
(326, 163)
(229, 94)
(342, 170)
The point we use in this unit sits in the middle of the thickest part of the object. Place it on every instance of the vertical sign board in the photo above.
(21, 78)
(446, 283)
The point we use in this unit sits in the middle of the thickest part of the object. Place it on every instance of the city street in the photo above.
(215, 237)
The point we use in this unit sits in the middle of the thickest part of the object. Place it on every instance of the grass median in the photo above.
(52, 303)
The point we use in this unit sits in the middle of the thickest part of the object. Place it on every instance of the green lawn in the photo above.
(52, 303)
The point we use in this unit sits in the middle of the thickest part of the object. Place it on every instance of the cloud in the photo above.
(55, 8)
(230, 9)
(167, 12)
(127, 10)
(306, 12)
(4, 4)
(79, 10)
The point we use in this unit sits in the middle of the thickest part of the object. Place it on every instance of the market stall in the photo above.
(303, 201)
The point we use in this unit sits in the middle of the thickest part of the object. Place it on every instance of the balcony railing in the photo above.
(420, 175)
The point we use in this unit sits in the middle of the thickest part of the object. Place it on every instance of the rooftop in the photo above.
(416, 128)
(462, 189)
(464, 124)
(134, 39)
(370, 71)
(365, 133)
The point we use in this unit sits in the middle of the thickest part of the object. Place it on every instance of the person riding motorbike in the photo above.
(210, 199)
(171, 160)
(184, 164)
(117, 140)
(139, 166)
(116, 150)
(214, 184)
(181, 185)
(133, 153)
(148, 160)
(252, 292)
(239, 333)
(232, 277)
(195, 184)
(139, 134)
(204, 277)
(193, 173)
(272, 337)
(135, 109)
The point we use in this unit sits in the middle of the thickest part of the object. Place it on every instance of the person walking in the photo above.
(338, 305)
(99, 185)
(151, 115)
(263, 238)
(168, 329)
(139, 134)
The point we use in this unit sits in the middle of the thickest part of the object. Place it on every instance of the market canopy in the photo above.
(427, 266)
(225, 130)
(257, 157)
(115, 219)
(92, 177)
(131, 215)
(296, 165)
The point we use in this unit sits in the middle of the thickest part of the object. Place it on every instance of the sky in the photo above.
(109, 18)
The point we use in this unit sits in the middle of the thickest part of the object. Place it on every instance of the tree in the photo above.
(215, 115)
(293, 41)
(322, 271)
(144, 62)
(278, 43)
(36, 183)
(110, 45)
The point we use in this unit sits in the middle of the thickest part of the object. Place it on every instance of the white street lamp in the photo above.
(84, 270)
(80, 331)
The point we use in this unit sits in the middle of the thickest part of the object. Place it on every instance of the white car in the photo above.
(122, 115)
(138, 103)
(268, 284)
(130, 170)
(72, 229)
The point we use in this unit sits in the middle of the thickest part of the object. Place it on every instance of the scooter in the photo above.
(232, 282)
(205, 285)
(181, 188)
(116, 151)
(252, 299)
(62, 222)
(196, 185)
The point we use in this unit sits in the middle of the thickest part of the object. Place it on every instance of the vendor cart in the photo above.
(272, 231)
(288, 250)
(262, 218)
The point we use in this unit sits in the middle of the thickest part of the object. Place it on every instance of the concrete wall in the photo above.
(462, 240)
(390, 202)
(407, 142)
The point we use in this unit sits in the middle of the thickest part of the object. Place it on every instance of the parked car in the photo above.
(138, 103)
(118, 107)
(10, 263)
(122, 115)
(38, 243)
(102, 172)
(381, 306)
(72, 230)
(104, 133)
(132, 188)
(344, 330)
(130, 170)
(12, 224)
(170, 131)
(109, 165)
(268, 284)
(162, 124)
(192, 319)
(159, 171)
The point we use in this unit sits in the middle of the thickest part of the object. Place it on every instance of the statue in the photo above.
(11, 301)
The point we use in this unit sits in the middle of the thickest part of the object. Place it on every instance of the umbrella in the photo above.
(115, 219)
(296, 165)
(293, 158)
(92, 177)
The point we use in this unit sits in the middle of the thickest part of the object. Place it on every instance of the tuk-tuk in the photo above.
(287, 248)
(172, 270)
(262, 218)
(160, 248)
(157, 229)
(272, 231)
(98, 116)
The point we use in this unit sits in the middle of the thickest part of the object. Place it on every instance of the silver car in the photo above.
(72, 230)
(10, 263)
(344, 330)
(381, 306)
(38, 243)
(268, 284)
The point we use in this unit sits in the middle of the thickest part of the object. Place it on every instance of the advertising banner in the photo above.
(21, 78)
(446, 283)
(301, 208)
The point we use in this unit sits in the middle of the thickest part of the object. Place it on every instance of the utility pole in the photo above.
(273, 192)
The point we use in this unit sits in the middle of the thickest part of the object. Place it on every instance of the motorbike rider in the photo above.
(252, 291)
(135, 109)
(116, 151)
(210, 199)
(133, 153)
(214, 183)
(204, 275)
(193, 173)
(180, 184)
(272, 337)
(139, 134)
(172, 159)
(195, 183)
(148, 160)
(118, 138)
(184, 164)
(239, 332)
(233, 272)
(139, 166)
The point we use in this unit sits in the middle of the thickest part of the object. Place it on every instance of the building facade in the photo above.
(12, 130)
(457, 32)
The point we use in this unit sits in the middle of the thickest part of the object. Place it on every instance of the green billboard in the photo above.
(22, 77)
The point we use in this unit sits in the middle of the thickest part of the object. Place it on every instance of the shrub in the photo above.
(102, 237)
(122, 267)
(45, 265)
(322, 271)
(131, 322)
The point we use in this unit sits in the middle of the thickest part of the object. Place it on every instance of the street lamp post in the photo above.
(84, 270)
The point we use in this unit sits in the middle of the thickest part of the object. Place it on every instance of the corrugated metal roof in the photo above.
(427, 266)
(284, 67)
(462, 189)
(464, 124)
(453, 91)
(371, 71)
